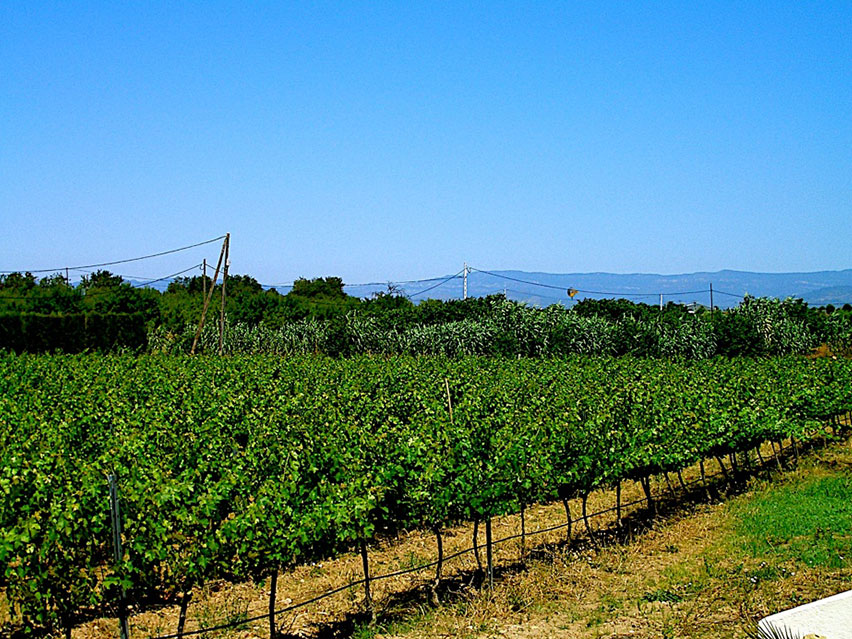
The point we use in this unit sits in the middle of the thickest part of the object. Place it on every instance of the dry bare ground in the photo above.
(664, 574)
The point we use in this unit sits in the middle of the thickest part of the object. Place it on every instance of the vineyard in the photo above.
(236, 468)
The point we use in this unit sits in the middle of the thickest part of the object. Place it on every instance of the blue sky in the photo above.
(380, 141)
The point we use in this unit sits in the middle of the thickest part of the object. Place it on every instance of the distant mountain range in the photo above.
(729, 287)
(542, 289)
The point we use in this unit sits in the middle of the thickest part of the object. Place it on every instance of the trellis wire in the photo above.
(420, 568)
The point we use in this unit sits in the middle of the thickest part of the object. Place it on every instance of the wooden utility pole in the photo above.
(224, 281)
(208, 298)
(711, 297)
(203, 280)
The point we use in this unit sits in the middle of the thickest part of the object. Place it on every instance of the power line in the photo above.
(368, 284)
(440, 280)
(672, 294)
(147, 282)
(443, 280)
(515, 279)
(426, 290)
(538, 295)
(428, 279)
(588, 292)
(160, 279)
(724, 293)
(132, 259)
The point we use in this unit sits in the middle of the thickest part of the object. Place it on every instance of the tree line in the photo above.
(317, 315)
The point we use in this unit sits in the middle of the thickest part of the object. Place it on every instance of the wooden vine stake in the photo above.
(368, 597)
(476, 554)
(669, 485)
(680, 480)
(704, 478)
(184, 604)
(618, 522)
(588, 526)
(783, 461)
(438, 568)
(567, 505)
(724, 470)
(776, 454)
(118, 554)
(646, 487)
(489, 559)
(747, 461)
(273, 592)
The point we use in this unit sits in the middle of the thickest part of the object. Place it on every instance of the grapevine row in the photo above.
(235, 468)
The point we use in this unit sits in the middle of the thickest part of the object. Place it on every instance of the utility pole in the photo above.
(207, 300)
(465, 281)
(67, 279)
(203, 280)
(661, 301)
(224, 281)
(711, 297)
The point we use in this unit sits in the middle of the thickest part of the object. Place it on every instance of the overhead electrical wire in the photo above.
(103, 291)
(369, 284)
(160, 279)
(125, 261)
(427, 279)
(536, 295)
(731, 294)
(440, 281)
(426, 290)
(516, 279)
(588, 292)
(140, 278)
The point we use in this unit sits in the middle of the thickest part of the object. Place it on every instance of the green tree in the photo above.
(329, 287)
(108, 293)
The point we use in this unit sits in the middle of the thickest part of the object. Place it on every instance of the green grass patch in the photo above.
(662, 595)
(807, 520)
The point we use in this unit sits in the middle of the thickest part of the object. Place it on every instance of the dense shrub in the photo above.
(38, 333)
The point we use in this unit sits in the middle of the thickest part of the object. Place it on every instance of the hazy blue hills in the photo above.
(542, 289)
(837, 295)
(818, 288)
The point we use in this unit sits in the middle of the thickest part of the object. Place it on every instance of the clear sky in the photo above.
(380, 141)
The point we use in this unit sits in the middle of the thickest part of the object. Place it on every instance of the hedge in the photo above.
(73, 333)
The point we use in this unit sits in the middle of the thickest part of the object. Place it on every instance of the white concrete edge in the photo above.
(781, 620)
(814, 604)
